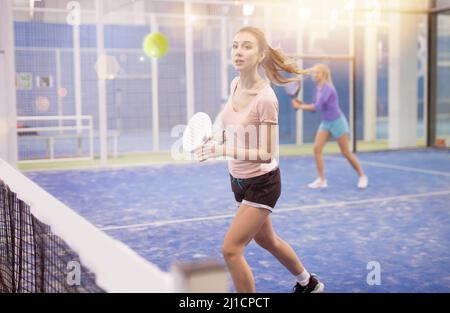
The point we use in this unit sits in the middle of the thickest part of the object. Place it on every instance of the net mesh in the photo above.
(32, 258)
(47, 247)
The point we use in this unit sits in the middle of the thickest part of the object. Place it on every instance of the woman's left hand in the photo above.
(210, 149)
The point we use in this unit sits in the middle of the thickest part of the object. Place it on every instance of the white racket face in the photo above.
(198, 130)
(293, 89)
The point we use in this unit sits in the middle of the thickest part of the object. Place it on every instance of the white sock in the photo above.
(303, 278)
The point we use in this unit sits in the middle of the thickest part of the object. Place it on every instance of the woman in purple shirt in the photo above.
(334, 124)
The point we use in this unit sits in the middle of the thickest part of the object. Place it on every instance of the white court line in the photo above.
(276, 211)
(161, 223)
(395, 167)
(366, 201)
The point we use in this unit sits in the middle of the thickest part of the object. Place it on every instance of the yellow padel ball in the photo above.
(156, 45)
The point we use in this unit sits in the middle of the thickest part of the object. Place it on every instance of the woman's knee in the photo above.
(318, 149)
(346, 153)
(230, 251)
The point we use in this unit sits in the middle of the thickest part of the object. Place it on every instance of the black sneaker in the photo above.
(314, 286)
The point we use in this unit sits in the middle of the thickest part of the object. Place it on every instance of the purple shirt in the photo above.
(327, 103)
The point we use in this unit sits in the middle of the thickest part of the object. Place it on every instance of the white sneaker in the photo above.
(318, 183)
(363, 182)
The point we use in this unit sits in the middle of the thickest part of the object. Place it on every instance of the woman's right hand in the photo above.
(296, 103)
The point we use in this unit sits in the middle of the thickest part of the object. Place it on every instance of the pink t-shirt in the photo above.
(242, 129)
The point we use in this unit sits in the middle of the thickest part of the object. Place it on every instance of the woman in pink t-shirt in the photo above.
(250, 120)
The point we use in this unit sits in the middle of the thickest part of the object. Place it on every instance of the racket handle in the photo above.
(219, 137)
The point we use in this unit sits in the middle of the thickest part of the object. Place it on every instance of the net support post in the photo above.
(370, 81)
(101, 86)
(432, 76)
(200, 277)
(154, 27)
(8, 124)
(189, 58)
(299, 114)
(403, 86)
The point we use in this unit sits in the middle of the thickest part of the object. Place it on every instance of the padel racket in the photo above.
(293, 89)
(197, 132)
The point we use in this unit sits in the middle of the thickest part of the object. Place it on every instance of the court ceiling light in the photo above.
(248, 9)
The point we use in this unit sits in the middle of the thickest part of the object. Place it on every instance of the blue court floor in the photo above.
(181, 212)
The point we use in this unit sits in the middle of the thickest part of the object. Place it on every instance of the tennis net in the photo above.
(47, 247)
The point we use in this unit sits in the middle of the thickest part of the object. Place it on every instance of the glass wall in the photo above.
(83, 81)
(442, 81)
